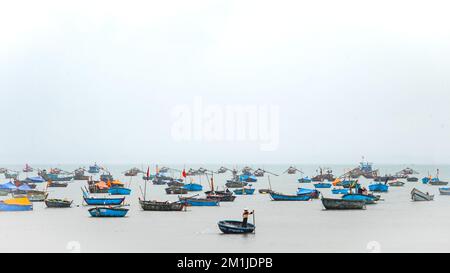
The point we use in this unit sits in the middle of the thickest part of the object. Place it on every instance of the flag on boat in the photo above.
(336, 182)
(184, 173)
(148, 172)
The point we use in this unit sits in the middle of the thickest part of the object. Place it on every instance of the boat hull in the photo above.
(418, 196)
(119, 191)
(6, 207)
(244, 191)
(161, 206)
(235, 227)
(108, 212)
(103, 201)
(58, 203)
(284, 197)
(339, 204)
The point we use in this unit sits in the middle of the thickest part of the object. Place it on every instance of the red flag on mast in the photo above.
(148, 172)
(184, 173)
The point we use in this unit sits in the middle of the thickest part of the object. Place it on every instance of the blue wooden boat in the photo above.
(244, 191)
(283, 197)
(119, 191)
(379, 187)
(16, 204)
(313, 193)
(36, 179)
(340, 191)
(199, 202)
(235, 227)
(108, 212)
(305, 180)
(8, 187)
(323, 185)
(193, 187)
(369, 199)
(100, 201)
(94, 169)
(248, 178)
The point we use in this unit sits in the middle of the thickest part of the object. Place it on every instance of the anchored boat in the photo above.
(58, 203)
(108, 212)
(284, 197)
(340, 204)
(379, 187)
(16, 204)
(417, 195)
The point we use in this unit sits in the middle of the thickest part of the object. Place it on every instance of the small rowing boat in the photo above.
(236, 227)
(417, 195)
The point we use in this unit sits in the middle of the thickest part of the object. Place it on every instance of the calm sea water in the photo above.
(394, 225)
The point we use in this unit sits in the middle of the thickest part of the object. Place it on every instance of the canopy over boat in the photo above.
(25, 187)
(8, 186)
(36, 179)
(23, 201)
(102, 185)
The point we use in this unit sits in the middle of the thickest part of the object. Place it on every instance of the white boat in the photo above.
(396, 183)
(444, 191)
(417, 195)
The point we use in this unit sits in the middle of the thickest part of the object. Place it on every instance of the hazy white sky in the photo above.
(85, 81)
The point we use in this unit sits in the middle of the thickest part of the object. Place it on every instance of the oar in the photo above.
(254, 222)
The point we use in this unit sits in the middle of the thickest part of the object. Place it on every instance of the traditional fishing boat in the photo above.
(264, 191)
(412, 179)
(108, 212)
(364, 169)
(305, 180)
(396, 183)
(284, 197)
(221, 197)
(11, 175)
(222, 170)
(106, 177)
(161, 206)
(315, 194)
(133, 172)
(97, 187)
(340, 204)
(236, 227)
(379, 187)
(248, 178)
(323, 185)
(32, 195)
(36, 179)
(324, 174)
(417, 195)
(292, 170)
(244, 191)
(235, 184)
(58, 203)
(16, 204)
(94, 169)
(80, 174)
(369, 199)
(56, 184)
(199, 202)
(175, 183)
(444, 191)
(437, 182)
(176, 190)
(193, 187)
(119, 191)
(99, 201)
(28, 169)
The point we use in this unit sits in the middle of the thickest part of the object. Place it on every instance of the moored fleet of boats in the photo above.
(106, 196)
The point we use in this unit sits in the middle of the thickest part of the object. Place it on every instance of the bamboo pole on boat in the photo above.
(254, 222)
